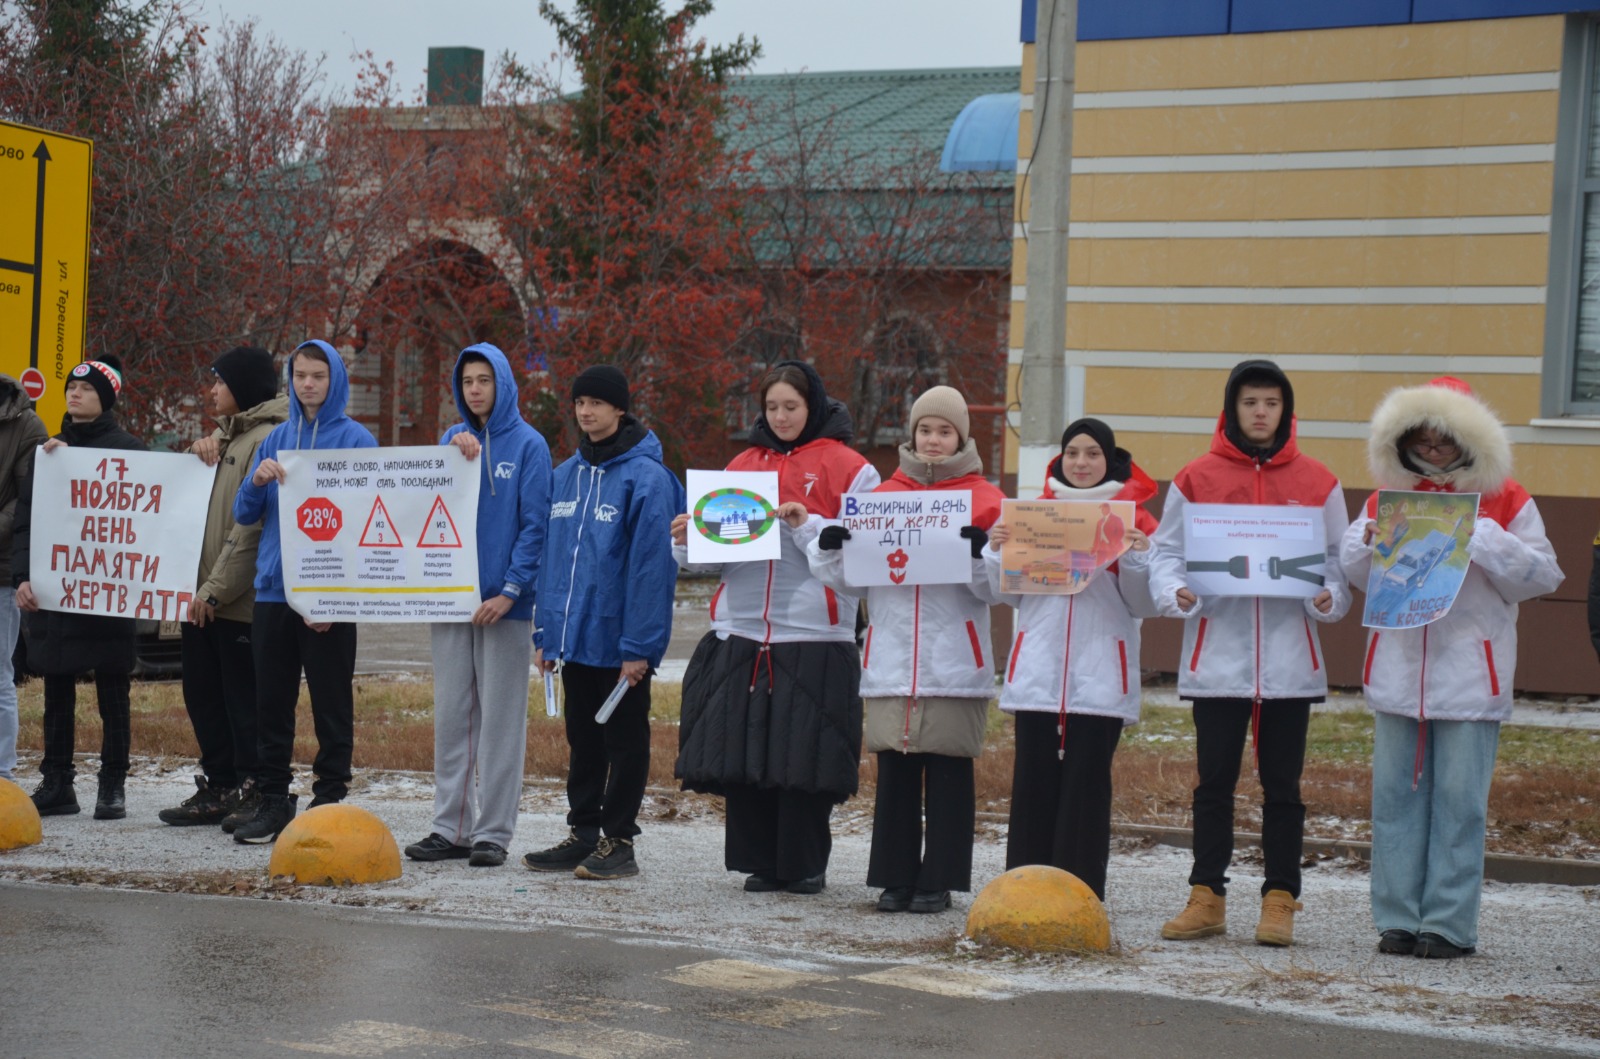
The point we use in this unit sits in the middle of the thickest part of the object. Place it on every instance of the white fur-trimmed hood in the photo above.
(1440, 406)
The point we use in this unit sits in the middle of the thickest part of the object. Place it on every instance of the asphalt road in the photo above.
(88, 973)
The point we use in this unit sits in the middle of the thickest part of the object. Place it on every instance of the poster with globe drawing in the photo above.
(733, 516)
(1419, 557)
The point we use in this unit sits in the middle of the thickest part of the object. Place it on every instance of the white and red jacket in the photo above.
(1459, 668)
(1080, 653)
(1250, 647)
(926, 640)
(779, 601)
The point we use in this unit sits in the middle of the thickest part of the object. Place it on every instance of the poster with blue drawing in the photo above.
(1419, 557)
(733, 516)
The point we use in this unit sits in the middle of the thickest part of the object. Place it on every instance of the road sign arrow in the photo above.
(42, 153)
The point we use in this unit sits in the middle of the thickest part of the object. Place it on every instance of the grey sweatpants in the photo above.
(480, 728)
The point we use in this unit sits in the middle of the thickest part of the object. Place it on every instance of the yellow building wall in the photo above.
(1324, 209)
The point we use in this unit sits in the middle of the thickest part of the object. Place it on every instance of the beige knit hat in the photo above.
(946, 403)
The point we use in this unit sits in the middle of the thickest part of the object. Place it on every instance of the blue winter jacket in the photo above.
(514, 498)
(607, 580)
(332, 429)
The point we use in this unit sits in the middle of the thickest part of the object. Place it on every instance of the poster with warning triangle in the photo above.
(407, 548)
(439, 531)
(379, 531)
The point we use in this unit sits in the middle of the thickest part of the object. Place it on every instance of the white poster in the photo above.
(1254, 550)
(116, 532)
(733, 516)
(380, 534)
(907, 538)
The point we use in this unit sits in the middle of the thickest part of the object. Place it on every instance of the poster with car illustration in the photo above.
(909, 538)
(1254, 550)
(733, 516)
(1419, 557)
(1058, 546)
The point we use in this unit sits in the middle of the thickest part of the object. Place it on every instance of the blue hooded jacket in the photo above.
(608, 576)
(514, 498)
(331, 429)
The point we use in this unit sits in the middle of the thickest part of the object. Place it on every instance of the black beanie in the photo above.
(105, 375)
(249, 374)
(605, 382)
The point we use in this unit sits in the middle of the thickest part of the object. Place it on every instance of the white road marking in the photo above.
(940, 980)
(598, 1043)
(364, 1038)
(742, 976)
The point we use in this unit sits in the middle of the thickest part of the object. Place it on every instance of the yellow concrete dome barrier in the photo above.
(336, 845)
(19, 820)
(1038, 908)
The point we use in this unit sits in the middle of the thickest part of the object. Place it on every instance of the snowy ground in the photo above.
(1535, 982)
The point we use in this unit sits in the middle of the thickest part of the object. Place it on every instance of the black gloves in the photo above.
(832, 538)
(978, 539)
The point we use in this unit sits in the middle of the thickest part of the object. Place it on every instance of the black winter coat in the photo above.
(798, 727)
(73, 643)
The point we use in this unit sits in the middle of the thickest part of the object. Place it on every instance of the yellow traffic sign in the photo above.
(45, 184)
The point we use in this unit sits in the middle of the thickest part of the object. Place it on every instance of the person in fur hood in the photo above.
(1439, 692)
(926, 674)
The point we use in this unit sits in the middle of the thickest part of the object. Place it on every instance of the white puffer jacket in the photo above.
(1461, 667)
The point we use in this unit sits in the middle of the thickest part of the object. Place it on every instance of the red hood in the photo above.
(1221, 446)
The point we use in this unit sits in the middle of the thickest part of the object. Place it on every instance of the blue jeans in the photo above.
(10, 625)
(1427, 844)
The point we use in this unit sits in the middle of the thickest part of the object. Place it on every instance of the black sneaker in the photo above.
(273, 815)
(324, 799)
(436, 847)
(611, 859)
(110, 803)
(55, 796)
(241, 805)
(895, 899)
(486, 855)
(207, 805)
(930, 901)
(1438, 947)
(1397, 942)
(814, 885)
(762, 884)
(564, 856)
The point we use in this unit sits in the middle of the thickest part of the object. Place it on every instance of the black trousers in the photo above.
(608, 764)
(1061, 807)
(1222, 727)
(779, 833)
(283, 646)
(899, 857)
(219, 693)
(61, 722)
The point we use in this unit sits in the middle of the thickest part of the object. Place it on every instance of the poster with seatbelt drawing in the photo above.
(1419, 557)
(1058, 546)
(380, 534)
(1254, 550)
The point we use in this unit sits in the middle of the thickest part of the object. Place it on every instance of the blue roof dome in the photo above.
(984, 136)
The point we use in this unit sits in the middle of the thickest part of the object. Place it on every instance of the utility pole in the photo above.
(1044, 383)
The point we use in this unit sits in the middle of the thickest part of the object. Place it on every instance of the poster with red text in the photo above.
(116, 532)
(380, 534)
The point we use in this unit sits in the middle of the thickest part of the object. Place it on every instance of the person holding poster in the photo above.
(926, 675)
(604, 616)
(1250, 664)
(21, 432)
(283, 643)
(480, 669)
(61, 645)
(1076, 655)
(219, 673)
(771, 698)
(1440, 691)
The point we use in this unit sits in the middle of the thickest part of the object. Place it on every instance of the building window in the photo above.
(764, 344)
(1572, 313)
(904, 361)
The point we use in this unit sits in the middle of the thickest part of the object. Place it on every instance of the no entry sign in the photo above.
(32, 384)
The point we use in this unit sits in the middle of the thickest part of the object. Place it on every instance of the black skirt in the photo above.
(797, 728)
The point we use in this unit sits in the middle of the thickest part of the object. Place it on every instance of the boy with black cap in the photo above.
(219, 676)
(63, 645)
(603, 613)
(1249, 662)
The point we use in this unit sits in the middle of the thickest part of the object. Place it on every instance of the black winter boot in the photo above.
(55, 796)
(207, 805)
(109, 803)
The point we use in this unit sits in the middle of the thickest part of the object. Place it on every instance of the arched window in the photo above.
(763, 344)
(904, 359)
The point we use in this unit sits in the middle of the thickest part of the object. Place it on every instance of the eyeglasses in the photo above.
(1429, 447)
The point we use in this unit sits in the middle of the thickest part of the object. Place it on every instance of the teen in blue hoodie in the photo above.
(604, 613)
(480, 669)
(283, 642)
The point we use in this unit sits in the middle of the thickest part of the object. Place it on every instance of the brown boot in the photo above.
(1277, 918)
(1206, 914)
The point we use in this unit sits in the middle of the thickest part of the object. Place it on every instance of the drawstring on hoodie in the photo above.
(762, 654)
(488, 461)
(572, 572)
(1061, 730)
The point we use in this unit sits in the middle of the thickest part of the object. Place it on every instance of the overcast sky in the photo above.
(794, 34)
